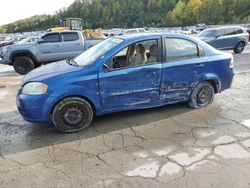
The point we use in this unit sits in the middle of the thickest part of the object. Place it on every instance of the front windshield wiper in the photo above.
(72, 62)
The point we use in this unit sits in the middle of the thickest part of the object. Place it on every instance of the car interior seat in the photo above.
(139, 56)
(152, 54)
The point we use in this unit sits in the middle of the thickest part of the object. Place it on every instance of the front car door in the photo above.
(218, 39)
(132, 76)
(182, 68)
(50, 48)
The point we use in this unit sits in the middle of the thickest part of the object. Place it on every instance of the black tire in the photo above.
(23, 64)
(202, 95)
(239, 48)
(72, 114)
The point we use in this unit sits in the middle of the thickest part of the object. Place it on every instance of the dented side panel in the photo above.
(178, 78)
(133, 86)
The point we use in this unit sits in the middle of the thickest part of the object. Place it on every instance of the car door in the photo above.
(230, 38)
(49, 48)
(218, 39)
(182, 68)
(127, 84)
(71, 45)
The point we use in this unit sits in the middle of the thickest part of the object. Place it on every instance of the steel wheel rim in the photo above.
(73, 116)
(204, 95)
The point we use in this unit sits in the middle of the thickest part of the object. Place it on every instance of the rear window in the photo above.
(180, 49)
(230, 31)
(70, 37)
(239, 31)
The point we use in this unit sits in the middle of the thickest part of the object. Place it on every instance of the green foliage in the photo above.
(140, 13)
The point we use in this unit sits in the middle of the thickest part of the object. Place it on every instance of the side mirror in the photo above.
(216, 36)
(106, 67)
(39, 41)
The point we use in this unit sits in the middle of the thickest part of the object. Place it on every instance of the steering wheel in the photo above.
(116, 63)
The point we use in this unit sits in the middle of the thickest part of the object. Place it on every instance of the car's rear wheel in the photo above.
(23, 65)
(72, 115)
(239, 48)
(202, 95)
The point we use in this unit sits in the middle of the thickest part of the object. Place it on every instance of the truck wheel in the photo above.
(23, 65)
(239, 48)
(72, 115)
(202, 95)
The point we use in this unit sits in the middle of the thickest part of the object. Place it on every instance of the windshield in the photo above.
(92, 54)
(207, 33)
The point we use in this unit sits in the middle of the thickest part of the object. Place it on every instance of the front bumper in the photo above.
(4, 61)
(33, 108)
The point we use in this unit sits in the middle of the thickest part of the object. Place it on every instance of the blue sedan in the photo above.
(125, 73)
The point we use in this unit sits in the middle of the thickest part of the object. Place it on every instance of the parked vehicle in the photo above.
(200, 27)
(6, 41)
(248, 30)
(125, 73)
(51, 47)
(226, 38)
(134, 30)
(31, 39)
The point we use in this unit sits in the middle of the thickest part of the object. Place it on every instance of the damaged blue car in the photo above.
(125, 73)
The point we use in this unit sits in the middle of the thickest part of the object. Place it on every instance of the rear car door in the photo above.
(50, 48)
(183, 66)
(72, 45)
(230, 38)
(129, 83)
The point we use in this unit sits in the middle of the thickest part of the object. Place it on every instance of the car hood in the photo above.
(50, 70)
(21, 46)
(206, 39)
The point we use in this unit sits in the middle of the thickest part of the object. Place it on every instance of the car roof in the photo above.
(153, 34)
(66, 31)
(224, 27)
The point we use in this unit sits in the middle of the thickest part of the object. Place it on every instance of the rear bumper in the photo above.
(227, 82)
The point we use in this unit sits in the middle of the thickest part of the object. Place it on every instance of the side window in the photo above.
(49, 38)
(136, 54)
(239, 31)
(70, 37)
(180, 49)
(131, 31)
(220, 33)
(141, 30)
(230, 31)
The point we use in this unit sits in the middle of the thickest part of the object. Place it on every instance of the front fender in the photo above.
(92, 96)
(16, 52)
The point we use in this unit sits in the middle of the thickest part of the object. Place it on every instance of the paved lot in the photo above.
(171, 146)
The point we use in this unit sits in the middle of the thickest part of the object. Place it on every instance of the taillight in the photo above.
(231, 63)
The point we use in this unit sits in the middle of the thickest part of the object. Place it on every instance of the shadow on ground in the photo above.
(17, 135)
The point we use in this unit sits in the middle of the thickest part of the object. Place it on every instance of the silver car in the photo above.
(226, 38)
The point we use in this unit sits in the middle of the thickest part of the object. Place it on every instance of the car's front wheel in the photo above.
(72, 115)
(202, 95)
(23, 65)
(239, 48)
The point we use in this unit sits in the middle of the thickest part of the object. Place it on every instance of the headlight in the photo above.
(34, 88)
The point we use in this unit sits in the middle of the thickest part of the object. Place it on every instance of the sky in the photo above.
(13, 10)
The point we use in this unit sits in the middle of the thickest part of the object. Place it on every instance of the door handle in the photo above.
(150, 72)
(199, 65)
